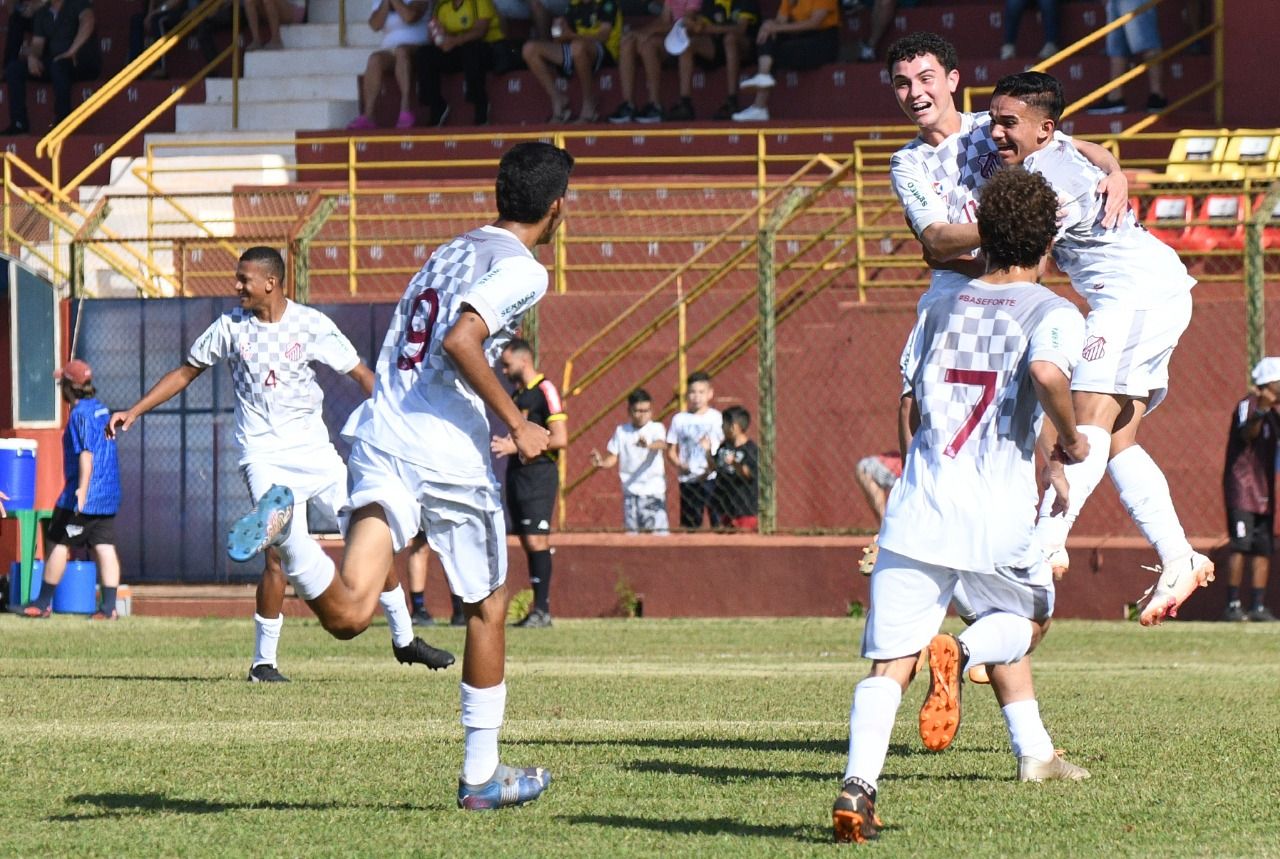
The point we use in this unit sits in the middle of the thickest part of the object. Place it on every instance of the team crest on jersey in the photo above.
(990, 162)
(294, 352)
(246, 350)
(1094, 348)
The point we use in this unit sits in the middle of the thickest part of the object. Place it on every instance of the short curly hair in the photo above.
(919, 44)
(531, 176)
(1017, 218)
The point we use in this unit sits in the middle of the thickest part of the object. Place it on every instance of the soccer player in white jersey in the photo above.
(270, 343)
(1139, 296)
(421, 458)
(990, 361)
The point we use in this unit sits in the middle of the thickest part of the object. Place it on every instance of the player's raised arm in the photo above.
(170, 385)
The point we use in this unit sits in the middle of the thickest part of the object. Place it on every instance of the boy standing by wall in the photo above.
(694, 434)
(636, 448)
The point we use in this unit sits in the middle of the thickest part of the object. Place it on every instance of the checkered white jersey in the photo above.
(278, 402)
(422, 410)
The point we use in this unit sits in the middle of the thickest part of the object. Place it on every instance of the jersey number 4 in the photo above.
(418, 327)
(985, 379)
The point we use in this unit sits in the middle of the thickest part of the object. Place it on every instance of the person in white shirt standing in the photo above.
(691, 444)
(987, 364)
(270, 342)
(637, 449)
(420, 459)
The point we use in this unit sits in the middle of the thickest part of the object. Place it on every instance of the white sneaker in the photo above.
(1174, 586)
(759, 80)
(752, 114)
(1008, 52)
(1057, 768)
(1049, 49)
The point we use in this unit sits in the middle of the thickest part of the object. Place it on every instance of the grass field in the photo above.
(720, 737)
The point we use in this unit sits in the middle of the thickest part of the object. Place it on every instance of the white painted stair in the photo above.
(309, 85)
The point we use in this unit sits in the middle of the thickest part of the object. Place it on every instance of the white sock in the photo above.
(999, 638)
(1027, 733)
(309, 569)
(1145, 494)
(266, 637)
(482, 712)
(398, 618)
(875, 706)
(1083, 478)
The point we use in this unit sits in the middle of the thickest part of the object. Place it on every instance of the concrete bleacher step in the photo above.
(283, 89)
(326, 36)
(217, 144)
(326, 11)
(301, 62)
(268, 115)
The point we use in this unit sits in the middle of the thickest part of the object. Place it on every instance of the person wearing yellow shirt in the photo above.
(463, 31)
(804, 35)
(583, 42)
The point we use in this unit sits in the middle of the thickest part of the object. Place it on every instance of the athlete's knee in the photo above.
(1039, 628)
(344, 625)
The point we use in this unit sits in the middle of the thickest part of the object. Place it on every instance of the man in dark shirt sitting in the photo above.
(1248, 486)
(63, 50)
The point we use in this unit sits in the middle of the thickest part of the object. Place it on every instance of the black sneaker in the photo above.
(1261, 614)
(726, 111)
(1156, 103)
(1234, 612)
(480, 115)
(421, 653)
(1107, 106)
(422, 617)
(853, 816)
(439, 115)
(624, 114)
(458, 619)
(535, 619)
(266, 673)
(650, 114)
(681, 111)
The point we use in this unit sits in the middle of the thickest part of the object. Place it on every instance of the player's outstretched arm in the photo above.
(171, 384)
(1053, 389)
(464, 344)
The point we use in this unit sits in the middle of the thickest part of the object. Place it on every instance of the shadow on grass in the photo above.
(826, 746)
(110, 805)
(724, 775)
(711, 826)
(161, 678)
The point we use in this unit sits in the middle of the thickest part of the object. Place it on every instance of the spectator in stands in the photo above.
(736, 501)
(637, 449)
(1013, 10)
(539, 12)
(881, 17)
(63, 50)
(1249, 487)
(1139, 38)
(272, 13)
(220, 20)
(150, 26)
(648, 44)
(18, 29)
(694, 434)
(404, 28)
(464, 32)
(805, 35)
(584, 41)
(723, 33)
(876, 475)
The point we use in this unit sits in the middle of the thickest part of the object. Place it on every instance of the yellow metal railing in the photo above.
(1214, 29)
(51, 144)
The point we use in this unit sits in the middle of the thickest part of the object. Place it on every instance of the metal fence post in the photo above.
(1255, 277)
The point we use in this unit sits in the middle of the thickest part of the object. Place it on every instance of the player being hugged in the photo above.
(420, 459)
(988, 362)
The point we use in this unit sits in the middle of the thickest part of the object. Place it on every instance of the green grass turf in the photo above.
(678, 737)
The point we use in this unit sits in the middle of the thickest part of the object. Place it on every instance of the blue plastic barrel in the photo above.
(16, 598)
(18, 472)
(77, 593)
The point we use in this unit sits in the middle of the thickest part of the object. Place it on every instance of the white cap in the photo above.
(1267, 370)
(677, 41)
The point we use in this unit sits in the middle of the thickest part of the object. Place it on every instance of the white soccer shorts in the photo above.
(320, 475)
(909, 600)
(463, 524)
(1127, 351)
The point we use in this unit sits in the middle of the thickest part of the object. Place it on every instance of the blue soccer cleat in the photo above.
(266, 525)
(509, 786)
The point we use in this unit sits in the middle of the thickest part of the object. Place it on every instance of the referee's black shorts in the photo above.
(1250, 533)
(531, 497)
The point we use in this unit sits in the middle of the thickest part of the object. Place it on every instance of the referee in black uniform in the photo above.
(531, 486)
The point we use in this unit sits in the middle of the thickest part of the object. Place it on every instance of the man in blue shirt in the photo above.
(85, 512)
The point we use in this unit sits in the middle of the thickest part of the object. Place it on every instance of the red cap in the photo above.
(76, 372)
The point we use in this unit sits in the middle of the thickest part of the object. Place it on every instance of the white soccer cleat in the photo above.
(1059, 561)
(1173, 587)
(1057, 768)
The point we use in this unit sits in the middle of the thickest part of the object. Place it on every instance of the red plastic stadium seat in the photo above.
(1169, 219)
(1271, 232)
(1222, 227)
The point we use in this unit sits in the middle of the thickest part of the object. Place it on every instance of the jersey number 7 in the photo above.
(985, 379)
